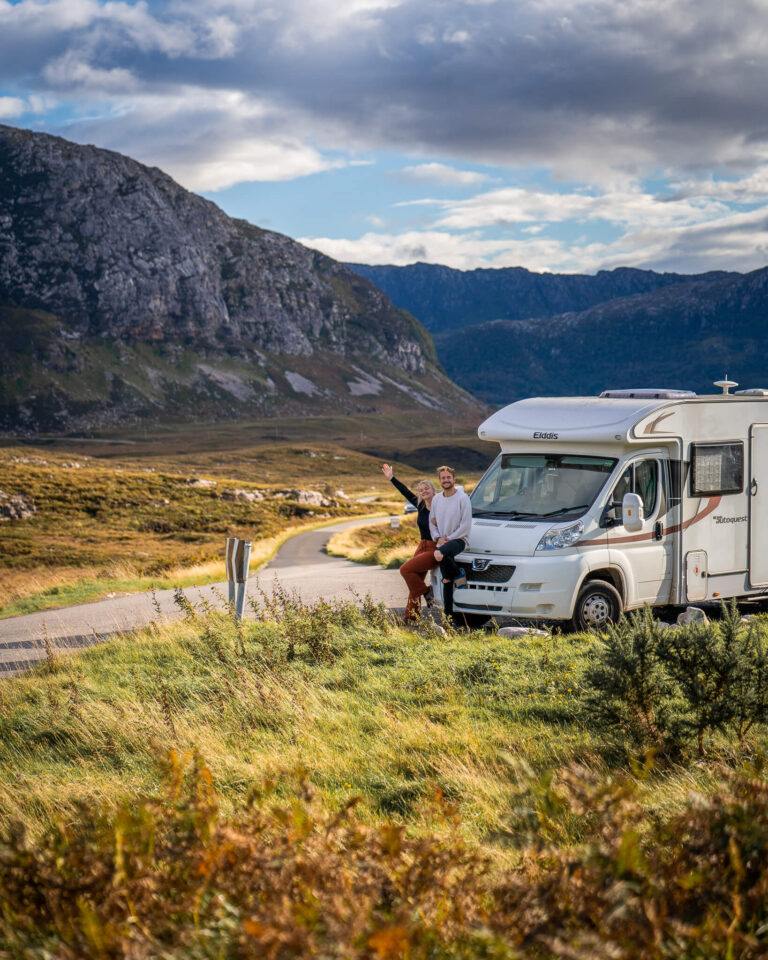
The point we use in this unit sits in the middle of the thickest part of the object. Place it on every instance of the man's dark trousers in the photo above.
(448, 566)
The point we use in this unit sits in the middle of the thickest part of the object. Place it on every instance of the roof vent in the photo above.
(648, 393)
(752, 392)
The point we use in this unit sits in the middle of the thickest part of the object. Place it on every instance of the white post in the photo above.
(229, 563)
(243, 556)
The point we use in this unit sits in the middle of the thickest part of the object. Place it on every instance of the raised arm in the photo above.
(409, 495)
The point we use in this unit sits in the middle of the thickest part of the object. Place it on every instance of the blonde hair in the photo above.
(449, 469)
(419, 498)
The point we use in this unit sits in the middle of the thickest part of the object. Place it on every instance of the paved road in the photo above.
(300, 565)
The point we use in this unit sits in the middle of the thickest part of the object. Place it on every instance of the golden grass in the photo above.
(377, 543)
(363, 706)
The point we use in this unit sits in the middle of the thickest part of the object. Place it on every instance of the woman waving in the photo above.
(414, 571)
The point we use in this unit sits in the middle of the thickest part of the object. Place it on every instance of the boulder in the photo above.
(197, 482)
(247, 496)
(692, 615)
(312, 498)
(16, 507)
(513, 632)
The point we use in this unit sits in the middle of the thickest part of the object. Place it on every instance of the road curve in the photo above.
(300, 565)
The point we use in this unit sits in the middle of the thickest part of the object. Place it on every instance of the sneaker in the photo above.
(429, 597)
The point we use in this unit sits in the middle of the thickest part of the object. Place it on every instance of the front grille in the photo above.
(495, 573)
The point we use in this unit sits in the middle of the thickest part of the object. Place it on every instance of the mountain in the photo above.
(509, 333)
(123, 297)
(684, 335)
(447, 299)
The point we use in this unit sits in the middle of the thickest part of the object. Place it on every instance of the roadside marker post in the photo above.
(242, 562)
(229, 562)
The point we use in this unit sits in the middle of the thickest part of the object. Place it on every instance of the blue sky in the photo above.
(560, 135)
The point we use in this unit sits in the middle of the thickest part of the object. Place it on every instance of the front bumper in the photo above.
(541, 586)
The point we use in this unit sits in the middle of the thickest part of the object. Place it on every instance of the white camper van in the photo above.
(597, 505)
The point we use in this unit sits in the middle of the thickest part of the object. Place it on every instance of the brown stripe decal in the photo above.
(712, 504)
(651, 427)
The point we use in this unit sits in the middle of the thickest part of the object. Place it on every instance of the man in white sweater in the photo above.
(450, 520)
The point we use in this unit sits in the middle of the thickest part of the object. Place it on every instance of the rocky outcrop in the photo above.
(16, 506)
(121, 294)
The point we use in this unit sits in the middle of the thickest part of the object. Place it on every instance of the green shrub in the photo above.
(667, 687)
(626, 681)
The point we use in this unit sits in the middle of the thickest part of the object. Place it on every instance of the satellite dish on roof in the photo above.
(726, 385)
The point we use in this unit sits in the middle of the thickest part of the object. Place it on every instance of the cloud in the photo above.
(590, 88)
(736, 242)
(512, 205)
(440, 173)
(599, 94)
(460, 251)
(12, 107)
(206, 140)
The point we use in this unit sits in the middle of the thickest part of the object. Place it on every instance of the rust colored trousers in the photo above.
(414, 572)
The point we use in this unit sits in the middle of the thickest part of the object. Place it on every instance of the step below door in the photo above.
(757, 482)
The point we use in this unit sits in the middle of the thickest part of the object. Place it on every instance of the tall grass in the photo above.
(319, 782)
(366, 707)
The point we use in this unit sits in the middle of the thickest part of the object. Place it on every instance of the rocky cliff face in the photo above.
(122, 295)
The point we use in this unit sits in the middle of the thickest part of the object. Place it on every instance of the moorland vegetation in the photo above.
(318, 781)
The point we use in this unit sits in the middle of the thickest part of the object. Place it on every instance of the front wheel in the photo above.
(597, 606)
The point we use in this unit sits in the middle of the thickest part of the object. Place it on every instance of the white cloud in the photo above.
(206, 140)
(12, 107)
(441, 173)
(71, 71)
(514, 205)
(734, 242)
(462, 251)
(456, 36)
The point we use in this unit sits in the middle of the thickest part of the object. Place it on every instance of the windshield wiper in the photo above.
(502, 514)
(554, 513)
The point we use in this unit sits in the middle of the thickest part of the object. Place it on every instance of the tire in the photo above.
(597, 606)
(472, 621)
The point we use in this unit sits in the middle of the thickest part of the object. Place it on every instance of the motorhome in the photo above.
(599, 505)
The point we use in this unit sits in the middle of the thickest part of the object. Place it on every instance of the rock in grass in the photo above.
(249, 496)
(16, 507)
(692, 615)
(521, 632)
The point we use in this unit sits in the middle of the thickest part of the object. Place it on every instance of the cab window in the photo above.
(642, 478)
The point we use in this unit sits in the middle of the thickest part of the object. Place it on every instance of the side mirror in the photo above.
(632, 512)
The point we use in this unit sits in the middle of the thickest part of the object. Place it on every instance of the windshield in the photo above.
(528, 485)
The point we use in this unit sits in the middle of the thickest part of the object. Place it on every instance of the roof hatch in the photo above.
(648, 393)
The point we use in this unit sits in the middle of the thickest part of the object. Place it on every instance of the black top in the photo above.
(422, 508)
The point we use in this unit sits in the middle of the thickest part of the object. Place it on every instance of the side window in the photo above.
(716, 468)
(647, 484)
(642, 478)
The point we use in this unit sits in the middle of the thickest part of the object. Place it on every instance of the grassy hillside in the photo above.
(122, 513)
(497, 812)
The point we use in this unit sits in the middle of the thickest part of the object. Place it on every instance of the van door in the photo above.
(648, 554)
(758, 505)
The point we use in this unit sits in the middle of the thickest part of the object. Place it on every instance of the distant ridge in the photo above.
(123, 297)
(641, 328)
(445, 299)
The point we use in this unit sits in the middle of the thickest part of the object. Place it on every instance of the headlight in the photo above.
(559, 537)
